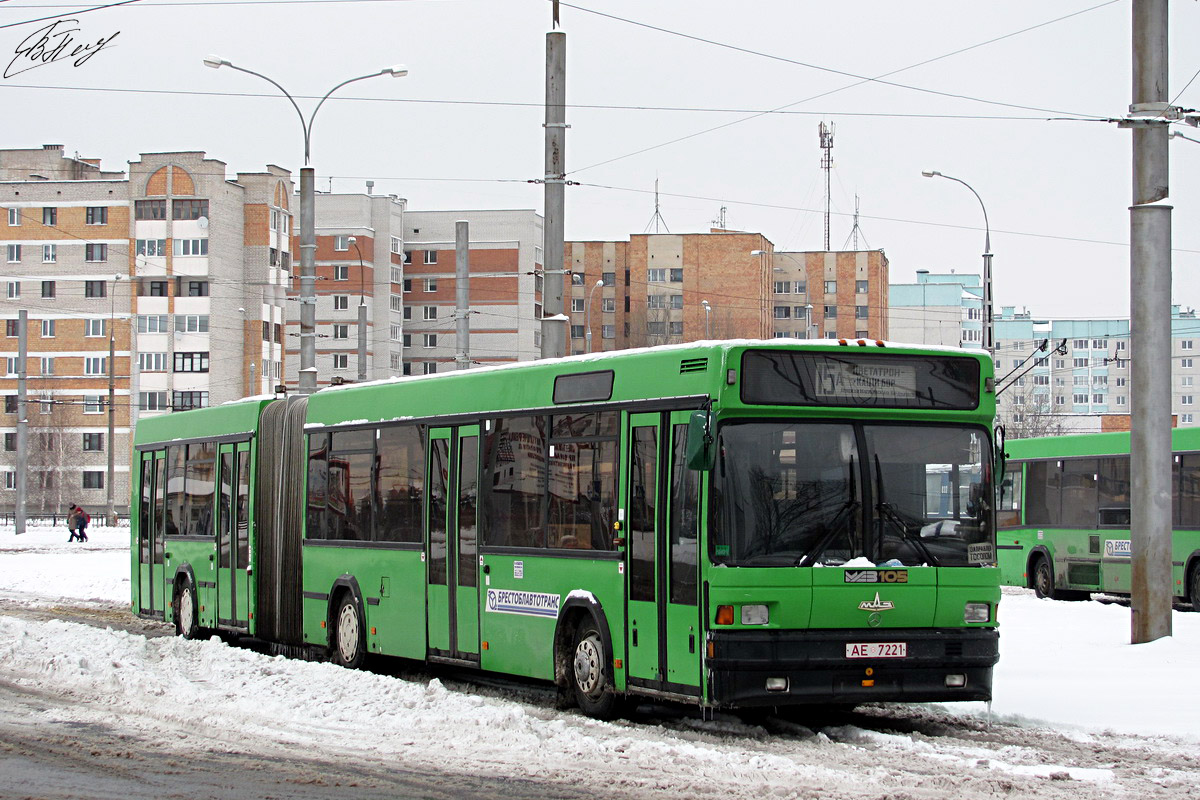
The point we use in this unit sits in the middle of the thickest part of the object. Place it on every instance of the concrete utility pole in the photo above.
(308, 279)
(22, 420)
(111, 445)
(462, 295)
(1150, 325)
(554, 337)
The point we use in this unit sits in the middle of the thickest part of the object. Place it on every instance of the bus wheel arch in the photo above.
(1191, 585)
(583, 658)
(347, 623)
(184, 604)
(1041, 572)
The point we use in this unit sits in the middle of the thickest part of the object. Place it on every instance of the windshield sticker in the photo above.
(981, 553)
(532, 604)
(876, 604)
(876, 576)
(1118, 548)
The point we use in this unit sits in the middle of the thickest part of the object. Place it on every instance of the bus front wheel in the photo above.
(591, 673)
(350, 645)
(1043, 578)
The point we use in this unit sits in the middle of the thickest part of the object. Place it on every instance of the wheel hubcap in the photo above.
(348, 633)
(185, 612)
(587, 664)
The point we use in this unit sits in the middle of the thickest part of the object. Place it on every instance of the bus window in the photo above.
(1043, 493)
(318, 484)
(1113, 491)
(401, 483)
(1009, 513)
(1188, 491)
(1079, 494)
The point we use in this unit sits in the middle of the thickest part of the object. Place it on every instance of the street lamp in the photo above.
(587, 316)
(808, 309)
(707, 324)
(989, 339)
(308, 229)
(362, 315)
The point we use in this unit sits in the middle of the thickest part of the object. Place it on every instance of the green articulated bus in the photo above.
(723, 524)
(1063, 520)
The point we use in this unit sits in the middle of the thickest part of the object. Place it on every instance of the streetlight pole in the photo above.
(808, 309)
(989, 338)
(362, 315)
(587, 316)
(707, 322)
(308, 227)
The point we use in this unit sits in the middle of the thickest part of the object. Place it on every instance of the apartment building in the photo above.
(173, 262)
(942, 309)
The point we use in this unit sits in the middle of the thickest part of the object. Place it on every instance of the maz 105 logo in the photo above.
(876, 576)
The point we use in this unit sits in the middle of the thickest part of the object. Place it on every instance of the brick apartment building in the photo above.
(175, 262)
(668, 288)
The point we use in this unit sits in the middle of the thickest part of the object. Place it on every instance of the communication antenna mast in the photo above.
(719, 222)
(658, 217)
(826, 134)
(855, 231)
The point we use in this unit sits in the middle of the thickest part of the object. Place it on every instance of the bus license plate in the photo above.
(877, 650)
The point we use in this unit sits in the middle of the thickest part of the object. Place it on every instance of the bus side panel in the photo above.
(201, 557)
(392, 583)
(517, 616)
(958, 586)
(1012, 554)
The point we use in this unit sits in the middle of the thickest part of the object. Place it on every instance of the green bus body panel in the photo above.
(1078, 554)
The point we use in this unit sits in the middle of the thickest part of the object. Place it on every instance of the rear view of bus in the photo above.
(850, 527)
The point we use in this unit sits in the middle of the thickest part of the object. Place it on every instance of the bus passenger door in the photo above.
(146, 534)
(452, 550)
(662, 551)
(241, 538)
(158, 576)
(225, 479)
(233, 551)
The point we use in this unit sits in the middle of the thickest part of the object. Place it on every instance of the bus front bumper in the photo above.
(781, 668)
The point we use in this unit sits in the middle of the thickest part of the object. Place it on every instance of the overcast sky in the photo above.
(463, 130)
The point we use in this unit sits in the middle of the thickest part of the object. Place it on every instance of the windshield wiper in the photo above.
(809, 558)
(886, 512)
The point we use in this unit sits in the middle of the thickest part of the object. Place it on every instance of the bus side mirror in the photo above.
(701, 453)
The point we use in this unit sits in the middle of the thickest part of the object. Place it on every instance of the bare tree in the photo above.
(1026, 412)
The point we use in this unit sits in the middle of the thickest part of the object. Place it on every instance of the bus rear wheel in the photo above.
(1043, 578)
(186, 623)
(349, 645)
(591, 673)
(1194, 588)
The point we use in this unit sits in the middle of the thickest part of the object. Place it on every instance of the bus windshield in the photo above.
(824, 493)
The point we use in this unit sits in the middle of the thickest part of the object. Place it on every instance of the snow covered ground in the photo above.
(1064, 668)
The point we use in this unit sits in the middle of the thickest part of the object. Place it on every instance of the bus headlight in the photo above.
(977, 612)
(755, 615)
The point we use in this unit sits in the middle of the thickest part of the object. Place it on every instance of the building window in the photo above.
(407, 312)
(1185, 399)
(191, 323)
(1097, 398)
(676, 275)
(95, 289)
(95, 252)
(49, 216)
(151, 248)
(14, 289)
(396, 302)
(1079, 399)
(1079, 362)
(608, 331)
(191, 247)
(93, 479)
(1099, 344)
(655, 276)
(799, 287)
(830, 312)
(93, 404)
(341, 361)
(94, 327)
(97, 215)
(49, 254)
(860, 287)
(152, 362)
(93, 442)
(1186, 419)
(10, 405)
(783, 287)
(397, 245)
(150, 209)
(407, 257)
(47, 365)
(429, 367)
(860, 312)
(577, 279)
(1185, 380)
(577, 332)
(182, 401)
(783, 312)
(429, 340)
(1079, 344)
(189, 209)
(577, 305)
(10, 441)
(430, 312)
(341, 272)
(830, 287)
(608, 305)
(608, 278)
(1041, 380)
(14, 253)
(431, 284)
(12, 328)
(152, 323)
(93, 365)
(405, 340)
(431, 258)
(152, 401)
(1185, 344)
(191, 362)
(1185, 363)
(47, 329)
(341, 331)
(341, 302)
(341, 243)
(14, 217)
(197, 288)
(1120, 399)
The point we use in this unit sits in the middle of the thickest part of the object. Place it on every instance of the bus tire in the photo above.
(187, 623)
(1043, 578)
(1194, 587)
(349, 634)
(591, 672)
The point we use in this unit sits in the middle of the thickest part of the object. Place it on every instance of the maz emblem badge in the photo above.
(876, 604)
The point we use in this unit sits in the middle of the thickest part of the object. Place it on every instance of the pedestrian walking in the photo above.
(77, 522)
